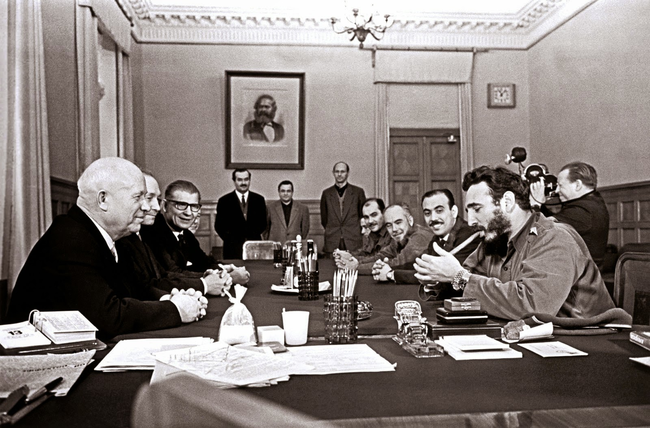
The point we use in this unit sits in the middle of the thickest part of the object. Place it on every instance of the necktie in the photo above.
(243, 200)
(114, 252)
(442, 242)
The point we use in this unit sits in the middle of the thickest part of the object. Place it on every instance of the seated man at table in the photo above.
(175, 247)
(409, 240)
(138, 259)
(378, 236)
(527, 264)
(450, 232)
(74, 264)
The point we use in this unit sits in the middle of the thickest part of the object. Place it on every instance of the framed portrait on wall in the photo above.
(265, 120)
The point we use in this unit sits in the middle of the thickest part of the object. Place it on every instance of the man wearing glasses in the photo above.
(173, 244)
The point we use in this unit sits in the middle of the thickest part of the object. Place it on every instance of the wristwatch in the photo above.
(460, 279)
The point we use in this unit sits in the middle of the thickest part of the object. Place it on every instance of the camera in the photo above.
(533, 172)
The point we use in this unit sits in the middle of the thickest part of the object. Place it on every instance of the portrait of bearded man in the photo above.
(263, 127)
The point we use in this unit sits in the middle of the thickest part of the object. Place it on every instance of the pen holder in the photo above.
(308, 286)
(340, 315)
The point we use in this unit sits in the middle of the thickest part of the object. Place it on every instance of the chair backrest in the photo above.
(632, 286)
(184, 400)
(259, 250)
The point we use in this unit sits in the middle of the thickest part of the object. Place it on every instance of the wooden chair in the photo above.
(632, 285)
(259, 250)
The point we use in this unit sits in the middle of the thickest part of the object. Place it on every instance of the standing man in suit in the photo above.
(74, 264)
(175, 247)
(241, 216)
(287, 218)
(340, 212)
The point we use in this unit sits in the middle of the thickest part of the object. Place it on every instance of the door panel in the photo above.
(422, 160)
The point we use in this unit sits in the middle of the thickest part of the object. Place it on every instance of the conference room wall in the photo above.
(589, 92)
(183, 104)
(181, 100)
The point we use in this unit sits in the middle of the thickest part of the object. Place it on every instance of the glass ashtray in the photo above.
(364, 309)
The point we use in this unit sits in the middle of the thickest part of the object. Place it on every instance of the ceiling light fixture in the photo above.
(361, 26)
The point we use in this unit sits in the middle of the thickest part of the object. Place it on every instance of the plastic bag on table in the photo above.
(237, 324)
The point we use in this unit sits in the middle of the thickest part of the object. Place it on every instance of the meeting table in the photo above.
(604, 388)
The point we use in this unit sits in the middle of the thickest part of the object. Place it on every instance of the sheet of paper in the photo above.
(224, 363)
(641, 360)
(162, 371)
(538, 332)
(553, 349)
(498, 354)
(137, 354)
(37, 370)
(331, 359)
(474, 342)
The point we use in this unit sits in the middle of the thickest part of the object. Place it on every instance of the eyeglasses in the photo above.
(182, 206)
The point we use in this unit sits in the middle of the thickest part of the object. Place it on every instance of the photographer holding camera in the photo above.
(582, 206)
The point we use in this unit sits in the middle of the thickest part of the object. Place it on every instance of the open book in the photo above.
(49, 332)
(63, 326)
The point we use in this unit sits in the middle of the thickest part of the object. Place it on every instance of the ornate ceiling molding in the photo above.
(285, 27)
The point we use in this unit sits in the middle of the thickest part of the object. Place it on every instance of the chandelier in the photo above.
(360, 26)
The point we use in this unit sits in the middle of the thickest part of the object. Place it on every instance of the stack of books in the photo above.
(641, 338)
(461, 310)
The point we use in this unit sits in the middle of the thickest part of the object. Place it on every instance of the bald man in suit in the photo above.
(340, 212)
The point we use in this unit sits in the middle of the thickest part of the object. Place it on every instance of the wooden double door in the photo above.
(422, 160)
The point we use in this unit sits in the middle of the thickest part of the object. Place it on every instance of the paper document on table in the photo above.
(221, 362)
(553, 349)
(494, 354)
(136, 354)
(331, 359)
(533, 333)
(162, 371)
(475, 342)
(37, 370)
(641, 360)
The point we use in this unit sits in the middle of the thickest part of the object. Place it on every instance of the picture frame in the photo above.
(265, 120)
(501, 95)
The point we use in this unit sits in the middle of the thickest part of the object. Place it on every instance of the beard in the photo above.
(263, 117)
(497, 234)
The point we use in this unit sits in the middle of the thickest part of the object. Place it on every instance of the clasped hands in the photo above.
(345, 260)
(239, 275)
(441, 268)
(191, 304)
(380, 270)
(217, 282)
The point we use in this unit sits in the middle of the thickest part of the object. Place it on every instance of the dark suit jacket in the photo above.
(458, 234)
(255, 131)
(72, 268)
(136, 258)
(344, 224)
(278, 230)
(589, 217)
(171, 254)
(233, 228)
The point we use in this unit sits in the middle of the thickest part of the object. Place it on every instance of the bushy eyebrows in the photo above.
(473, 206)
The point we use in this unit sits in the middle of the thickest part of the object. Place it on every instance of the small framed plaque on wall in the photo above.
(501, 95)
